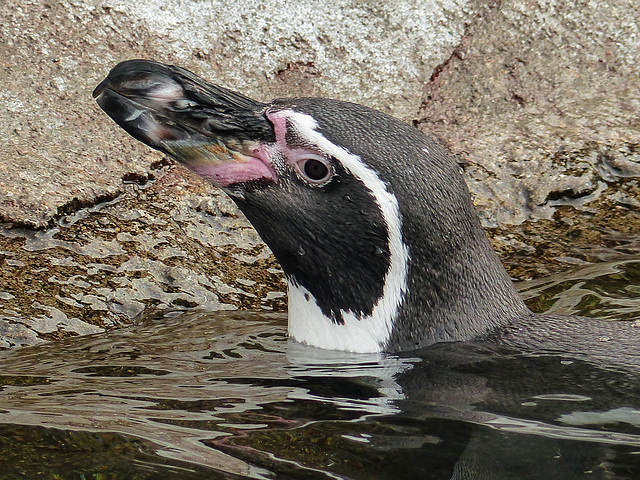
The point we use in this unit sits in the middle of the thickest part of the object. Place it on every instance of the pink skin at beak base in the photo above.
(258, 165)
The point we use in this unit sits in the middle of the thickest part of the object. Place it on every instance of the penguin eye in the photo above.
(315, 170)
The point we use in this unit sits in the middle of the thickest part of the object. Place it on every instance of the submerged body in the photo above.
(369, 218)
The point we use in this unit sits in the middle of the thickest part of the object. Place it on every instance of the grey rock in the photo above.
(541, 100)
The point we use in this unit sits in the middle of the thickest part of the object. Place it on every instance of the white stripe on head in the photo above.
(307, 323)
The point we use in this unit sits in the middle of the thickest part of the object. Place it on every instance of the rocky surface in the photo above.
(171, 244)
(540, 100)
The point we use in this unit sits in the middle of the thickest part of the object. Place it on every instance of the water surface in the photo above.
(192, 395)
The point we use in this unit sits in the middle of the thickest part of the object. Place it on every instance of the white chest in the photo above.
(307, 324)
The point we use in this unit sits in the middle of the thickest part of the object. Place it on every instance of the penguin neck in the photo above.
(308, 324)
(457, 287)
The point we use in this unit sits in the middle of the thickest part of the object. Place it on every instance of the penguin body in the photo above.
(369, 218)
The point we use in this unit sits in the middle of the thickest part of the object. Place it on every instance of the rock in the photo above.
(172, 244)
(541, 101)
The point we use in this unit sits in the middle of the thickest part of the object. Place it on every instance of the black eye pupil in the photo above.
(315, 169)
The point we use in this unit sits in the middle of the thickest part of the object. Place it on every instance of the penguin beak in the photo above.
(214, 131)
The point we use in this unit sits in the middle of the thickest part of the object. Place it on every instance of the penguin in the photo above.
(370, 219)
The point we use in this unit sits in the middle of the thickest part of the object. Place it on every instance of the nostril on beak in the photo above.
(99, 89)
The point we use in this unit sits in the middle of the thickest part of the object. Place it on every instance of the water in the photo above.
(226, 395)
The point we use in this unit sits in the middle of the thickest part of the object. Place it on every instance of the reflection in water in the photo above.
(227, 395)
(603, 290)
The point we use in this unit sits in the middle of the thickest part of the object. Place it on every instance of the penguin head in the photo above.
(369, 218)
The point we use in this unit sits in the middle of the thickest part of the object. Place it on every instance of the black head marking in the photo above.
(312, 231)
